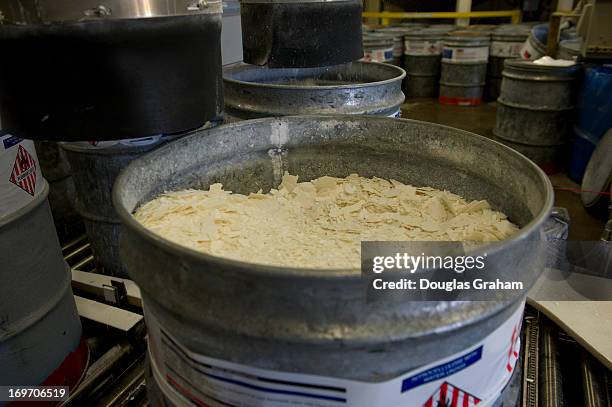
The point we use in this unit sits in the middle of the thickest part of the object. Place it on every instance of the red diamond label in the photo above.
(24, 171)
(448, 395)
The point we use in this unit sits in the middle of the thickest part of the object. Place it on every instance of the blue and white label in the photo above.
(443, 370)
(9, 141)
(475, 376)
(465, 54)
(378, 55)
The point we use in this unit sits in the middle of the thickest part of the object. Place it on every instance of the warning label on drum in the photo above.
(450, 396)
(505, 49)
(465, 54)
(475, 376)
(24, 171)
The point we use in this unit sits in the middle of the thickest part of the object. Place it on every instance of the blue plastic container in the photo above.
(593, 118)
(594, 107)
(582, 149)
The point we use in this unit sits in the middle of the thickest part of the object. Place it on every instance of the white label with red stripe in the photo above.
(474, 377)
(20, 177)
(422, 47)
(505, 49)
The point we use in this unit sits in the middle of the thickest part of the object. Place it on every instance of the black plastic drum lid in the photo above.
(301, 35)
(111, 79)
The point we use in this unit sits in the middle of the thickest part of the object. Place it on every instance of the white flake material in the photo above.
(548, 61)
(317, 224)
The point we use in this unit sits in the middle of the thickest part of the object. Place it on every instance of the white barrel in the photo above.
(40, 339)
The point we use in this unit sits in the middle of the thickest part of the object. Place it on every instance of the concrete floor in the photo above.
(481, 120)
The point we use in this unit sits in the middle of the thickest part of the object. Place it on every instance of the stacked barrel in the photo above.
(379, 48)
(95, 166)
(535, 110)
(506, 43)
(464, 67)
(40, 339)
(62, 193)
(422, 56)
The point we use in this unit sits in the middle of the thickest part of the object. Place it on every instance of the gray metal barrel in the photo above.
(62, 193)
(422, 55)
(535, 107)
(40, 339)
(506, 42)
(398, 43)
(377, 48)
(94, 171)
(397, 31)
(546, 157)
(311, 321)
(464, 68)
(356, 88)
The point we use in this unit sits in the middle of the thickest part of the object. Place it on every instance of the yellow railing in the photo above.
(385, 16)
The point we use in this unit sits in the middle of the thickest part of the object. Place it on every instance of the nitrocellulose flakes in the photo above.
(320, 223)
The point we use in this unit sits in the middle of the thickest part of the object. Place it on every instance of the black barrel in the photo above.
(301, 34)
(110, 79)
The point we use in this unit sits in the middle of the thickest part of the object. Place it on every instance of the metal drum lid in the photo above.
(539, 71)
(598, 174)
(467, 38)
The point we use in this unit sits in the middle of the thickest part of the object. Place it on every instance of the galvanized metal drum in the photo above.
(535, 106)
(246, 323)
(356, 88)
(62, 192)
(422, 55)
(398, 48)
(94, 170)
(506, 42)
(548, 158)
(464, 68)
(40, 340)
(377, 48)
(398, 43)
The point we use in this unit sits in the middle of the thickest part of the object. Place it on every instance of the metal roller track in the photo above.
(550, 380)
(596, 384)
(530, 367)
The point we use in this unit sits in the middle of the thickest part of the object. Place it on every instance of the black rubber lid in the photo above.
(110, 79)
(301, 35)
